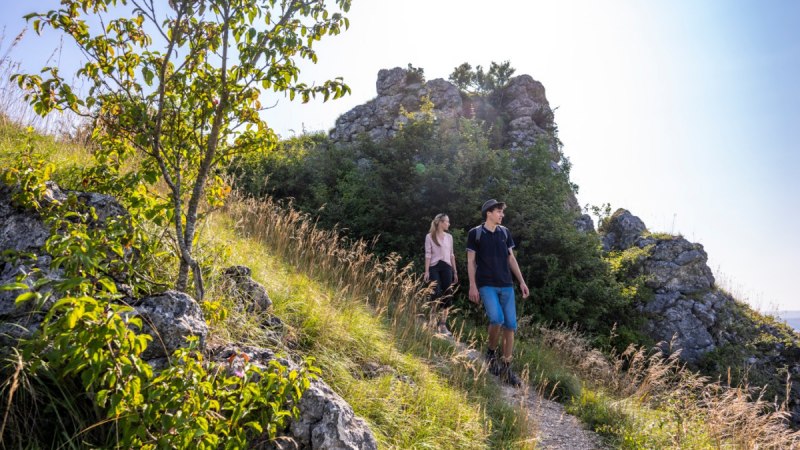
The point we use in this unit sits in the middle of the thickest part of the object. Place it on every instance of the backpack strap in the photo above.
(479, 230)
(505, 233)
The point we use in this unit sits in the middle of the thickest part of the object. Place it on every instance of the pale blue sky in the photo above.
(687, 113)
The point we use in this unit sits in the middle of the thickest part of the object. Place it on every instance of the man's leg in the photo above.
(508, 343)
(506, 300)
(494, 312)
(494, 336)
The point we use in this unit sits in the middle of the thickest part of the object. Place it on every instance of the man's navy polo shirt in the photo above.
(491, 256)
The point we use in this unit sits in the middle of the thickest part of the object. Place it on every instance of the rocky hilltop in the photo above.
(712, 330)
(521, 105)
(518, 114)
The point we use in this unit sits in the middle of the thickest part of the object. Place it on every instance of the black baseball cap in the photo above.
(489, 204)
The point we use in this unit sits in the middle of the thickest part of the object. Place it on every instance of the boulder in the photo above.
(326, 420)
(391, 81)
(622, 230)
(170, 318)
(584, 223)
(247, 291)
(530, 118)
(23, 232)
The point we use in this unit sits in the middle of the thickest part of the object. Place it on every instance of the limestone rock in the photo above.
(519, 113)
(522, 102)
(530, 117)
(170, 318)
(24, 231)
(622, 230)
(381, 118)
(391, 81)
(584, 223)
(241, 286)
(678, 265)
(326, 420)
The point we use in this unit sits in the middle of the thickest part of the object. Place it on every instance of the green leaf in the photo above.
(13, 286)
(108, 284)
(26, 296)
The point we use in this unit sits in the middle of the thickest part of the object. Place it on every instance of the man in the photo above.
(490, 264)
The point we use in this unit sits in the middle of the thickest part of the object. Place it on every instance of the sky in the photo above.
(684, 112)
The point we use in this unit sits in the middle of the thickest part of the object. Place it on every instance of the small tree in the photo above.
(180, 83)
(478, 81)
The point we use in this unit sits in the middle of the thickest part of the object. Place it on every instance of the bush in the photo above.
(389, 191)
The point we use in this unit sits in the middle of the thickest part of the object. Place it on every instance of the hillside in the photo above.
(174, 275)
(366, 341)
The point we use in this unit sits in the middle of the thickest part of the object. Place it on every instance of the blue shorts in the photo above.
(500, 306)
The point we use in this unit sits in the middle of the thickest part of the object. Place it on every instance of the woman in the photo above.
(440, 267)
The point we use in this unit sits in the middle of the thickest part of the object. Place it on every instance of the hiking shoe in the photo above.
(443, 329)
(507, 375)
(493, 360)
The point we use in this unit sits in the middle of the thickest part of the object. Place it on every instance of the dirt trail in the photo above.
(557, 430)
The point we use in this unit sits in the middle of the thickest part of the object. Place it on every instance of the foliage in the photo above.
(359, 315)
(88, 344)
(182, 86)
(602, 213)
(478, 81)
(415, 74)
(389, 191)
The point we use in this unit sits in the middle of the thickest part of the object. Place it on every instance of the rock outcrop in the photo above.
(521, 103)
(686, 303)
(519, 112)
(249, 294)
(326, 420)
(381, 117)
(691, 312)
(169, 318)
(25, 233)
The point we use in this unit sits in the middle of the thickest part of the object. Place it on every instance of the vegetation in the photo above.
(88, 343)
(642, 399)
(181, 87)
(389, 191)
(354, 310)
(336, 299)
(478, 81)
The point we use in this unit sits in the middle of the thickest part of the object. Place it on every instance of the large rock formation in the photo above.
(691, 312)
(381, 117)
(686, 303)
(519, 110)
(24, 233)
(521, 104)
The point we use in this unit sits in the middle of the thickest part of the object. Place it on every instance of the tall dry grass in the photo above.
(348, 266)
(730, 416)
(398, 296)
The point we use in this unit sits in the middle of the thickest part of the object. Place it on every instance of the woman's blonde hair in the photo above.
(435, 226)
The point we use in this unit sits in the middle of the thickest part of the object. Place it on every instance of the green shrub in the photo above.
(82, 370)
(389, 191)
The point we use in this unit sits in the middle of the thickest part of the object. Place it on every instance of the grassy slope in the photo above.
(422, 395)
(425, 394)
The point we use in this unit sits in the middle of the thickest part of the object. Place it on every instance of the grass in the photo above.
(644, 399)
(364, 321)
